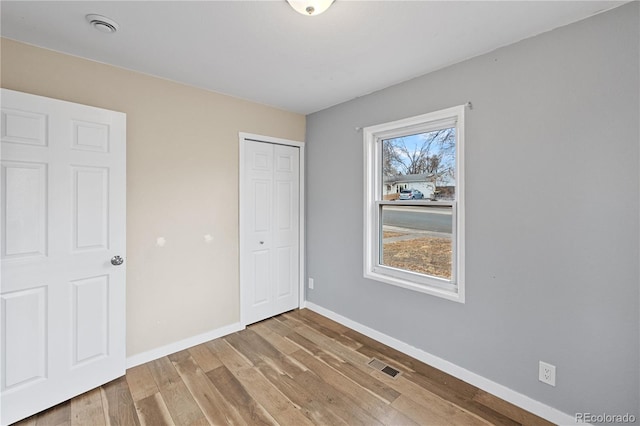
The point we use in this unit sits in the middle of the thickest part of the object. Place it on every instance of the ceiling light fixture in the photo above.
(102, 23)
(310, 7)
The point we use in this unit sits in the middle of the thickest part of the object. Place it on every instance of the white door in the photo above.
(270, 230)
(63, 220)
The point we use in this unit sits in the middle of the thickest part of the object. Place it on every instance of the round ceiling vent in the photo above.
(103, 24)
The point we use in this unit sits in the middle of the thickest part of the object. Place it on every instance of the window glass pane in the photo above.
(417, 239)
(420, 166)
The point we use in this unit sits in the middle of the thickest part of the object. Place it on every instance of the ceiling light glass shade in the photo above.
(310, 7)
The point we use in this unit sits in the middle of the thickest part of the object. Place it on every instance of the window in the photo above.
(414, 232)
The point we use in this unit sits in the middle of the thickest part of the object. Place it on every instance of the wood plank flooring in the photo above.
(298, 368)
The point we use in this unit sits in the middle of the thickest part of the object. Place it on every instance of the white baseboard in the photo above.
(171, 348)
(546, 412)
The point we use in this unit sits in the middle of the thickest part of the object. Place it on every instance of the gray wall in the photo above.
(552, 163)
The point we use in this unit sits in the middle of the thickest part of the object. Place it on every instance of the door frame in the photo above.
(242, 138)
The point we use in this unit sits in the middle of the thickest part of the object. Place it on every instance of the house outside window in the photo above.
(414, 203)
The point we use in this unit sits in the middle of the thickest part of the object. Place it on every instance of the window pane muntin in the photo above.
(418, 238)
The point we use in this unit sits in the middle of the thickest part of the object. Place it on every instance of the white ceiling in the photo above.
(265, 52)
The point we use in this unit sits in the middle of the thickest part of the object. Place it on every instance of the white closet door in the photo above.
(270, 222)
(63, 204)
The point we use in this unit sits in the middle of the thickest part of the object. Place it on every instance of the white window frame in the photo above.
(453, 289)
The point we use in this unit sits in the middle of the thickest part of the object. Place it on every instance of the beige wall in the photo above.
(182, 183)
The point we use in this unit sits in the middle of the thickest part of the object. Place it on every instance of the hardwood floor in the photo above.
(298, 368)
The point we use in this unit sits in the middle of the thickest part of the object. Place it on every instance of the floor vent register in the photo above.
(385, 368)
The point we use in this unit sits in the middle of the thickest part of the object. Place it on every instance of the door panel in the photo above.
(90, 136)
(286, 235)
(90, 213)
(260, 278)
(284, 198)
(25, 340)
(284, 268)
(90, 319)
(24, 127)
(261, 206)
(24, 195)
(270, 208)
(63, 303)
(259, 165)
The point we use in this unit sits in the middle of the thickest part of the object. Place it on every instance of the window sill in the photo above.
(453, 295)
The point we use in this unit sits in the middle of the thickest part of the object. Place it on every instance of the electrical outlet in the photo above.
(310, 283)
(547, 373)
